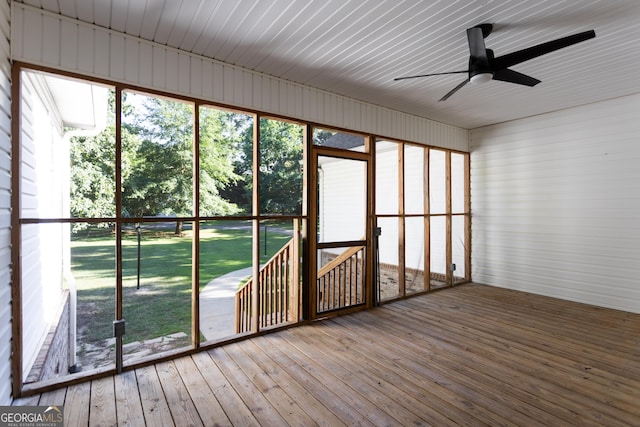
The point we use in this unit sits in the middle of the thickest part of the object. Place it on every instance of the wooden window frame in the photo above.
(20, 389)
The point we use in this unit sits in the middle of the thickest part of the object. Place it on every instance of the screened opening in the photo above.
(139, 209)
(182, 222)
(423, 212)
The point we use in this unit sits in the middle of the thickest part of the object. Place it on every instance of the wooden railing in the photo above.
(341, 281)
(278, 291)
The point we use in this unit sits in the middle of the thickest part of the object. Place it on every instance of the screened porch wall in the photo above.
(45, 39)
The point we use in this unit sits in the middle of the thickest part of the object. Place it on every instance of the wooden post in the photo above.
(449, 248)
(467, 217)
(304, 230)
(255, 301)
(369, 264)
(195, 239)
(427, 222)
(402, 288)
(294, 258)
(16, 270)
(118, 195)
(310, 280)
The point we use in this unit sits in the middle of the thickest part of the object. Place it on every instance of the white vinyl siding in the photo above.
(49, 40)
(556, 204)
(42, 251)
(5, 206)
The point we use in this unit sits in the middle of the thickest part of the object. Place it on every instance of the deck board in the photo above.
(103, 403)
(471, 355)
(183, 410)
(284, 403)
(257, 403)
(234, 407)
(53, 398)
(306, 374)
(281, 378)
(155, 404)
(204, 400)
(76, 405)
(128, 401)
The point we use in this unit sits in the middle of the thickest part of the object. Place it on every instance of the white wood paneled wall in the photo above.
(556, 204)
(50, 40)
(5, 206)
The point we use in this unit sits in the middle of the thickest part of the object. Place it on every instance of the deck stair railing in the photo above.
(341, 281)
(278, 291)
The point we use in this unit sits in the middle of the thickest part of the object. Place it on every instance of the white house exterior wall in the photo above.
(41, 197)
(342, 213)
(49, 40)
(5, 206)
(556, 203)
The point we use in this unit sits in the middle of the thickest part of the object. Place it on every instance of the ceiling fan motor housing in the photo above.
(481, 69)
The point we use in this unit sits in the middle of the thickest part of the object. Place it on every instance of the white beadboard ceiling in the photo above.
(355, 48)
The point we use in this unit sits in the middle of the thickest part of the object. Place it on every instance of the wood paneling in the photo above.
(42, 38)
(469, 355)
(5, 206)
(355, 48)
(556, 201)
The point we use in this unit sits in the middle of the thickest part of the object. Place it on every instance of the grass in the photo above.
(162, 305)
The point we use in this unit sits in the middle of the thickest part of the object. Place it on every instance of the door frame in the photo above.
(310, 299)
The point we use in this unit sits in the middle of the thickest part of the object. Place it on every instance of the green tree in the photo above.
(92, 169)
(280, 166)
(221, 134)
(157, 161)
(281, 149)
(161, 180)
(93, 176)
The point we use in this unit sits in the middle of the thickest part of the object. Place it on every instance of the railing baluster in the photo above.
(339, 282)
(275, 300)
(278, 289)
(288, 284)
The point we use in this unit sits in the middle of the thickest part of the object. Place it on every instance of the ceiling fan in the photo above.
(483, 66)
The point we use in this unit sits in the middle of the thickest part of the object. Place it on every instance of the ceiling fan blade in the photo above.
(507, 75)
(510, 59)
(476, 47)
(454, 90)
(429, 75)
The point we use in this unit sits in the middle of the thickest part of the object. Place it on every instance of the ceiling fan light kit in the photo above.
(483, 66)
(481, 78)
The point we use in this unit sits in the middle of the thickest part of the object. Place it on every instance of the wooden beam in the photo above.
(305, 231)
(427, 220)
(118, 196)
(195, 227)
(402, 288)
(310, 308)
(16, 244)
(370, 221)
(467, 217)
(294, 304)
(449, 246)
(255, 315)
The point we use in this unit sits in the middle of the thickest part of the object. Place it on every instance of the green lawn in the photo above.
(162, 305)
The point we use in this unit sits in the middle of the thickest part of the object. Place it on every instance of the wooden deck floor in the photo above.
(471, 355)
